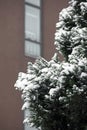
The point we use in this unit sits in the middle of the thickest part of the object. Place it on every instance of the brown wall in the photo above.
(11, 40)
(12, 59)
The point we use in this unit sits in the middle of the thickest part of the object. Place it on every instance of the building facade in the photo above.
(21, 42)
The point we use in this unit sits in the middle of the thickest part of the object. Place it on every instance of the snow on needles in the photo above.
(53, 77)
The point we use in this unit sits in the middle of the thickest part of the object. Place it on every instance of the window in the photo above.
(33, 28)
(32, 34)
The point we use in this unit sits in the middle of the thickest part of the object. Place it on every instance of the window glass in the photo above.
(32, 23)
(32, 49)
(34, 2)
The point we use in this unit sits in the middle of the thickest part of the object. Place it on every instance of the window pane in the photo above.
(32, 23)
(35, 2)
(32, 49)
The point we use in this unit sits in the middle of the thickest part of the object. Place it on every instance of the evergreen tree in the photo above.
(55, 92)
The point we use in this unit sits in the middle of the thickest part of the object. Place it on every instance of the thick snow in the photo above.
(25, 106)
(83, 75)
(83, 6)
